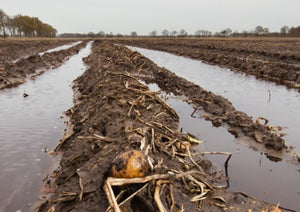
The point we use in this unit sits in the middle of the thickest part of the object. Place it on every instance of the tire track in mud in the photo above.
(114, 112)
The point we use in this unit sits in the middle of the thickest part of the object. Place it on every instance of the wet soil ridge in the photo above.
(115, 112)
(11, 49)
(220, 110)
(13, 74)
(275, 60)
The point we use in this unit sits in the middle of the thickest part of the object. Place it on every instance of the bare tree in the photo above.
(259, 30)
(182, 33)
(284, 30)
(3, 22)
(100, 34)
(91, 34)
(174, 33)
(225, 33)
(165, 33)
(266, 31)
(153, 33)
(294, 31)
(133, 34)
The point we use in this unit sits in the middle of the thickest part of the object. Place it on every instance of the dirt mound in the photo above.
(114, 113)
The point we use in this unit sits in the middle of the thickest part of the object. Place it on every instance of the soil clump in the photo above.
(115, 112)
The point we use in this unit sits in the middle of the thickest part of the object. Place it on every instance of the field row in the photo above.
(276, 60)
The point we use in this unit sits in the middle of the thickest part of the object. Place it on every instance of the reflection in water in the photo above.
(62, 47)
(261, 175)
(255, 97)
(30, 124)
(59, 48)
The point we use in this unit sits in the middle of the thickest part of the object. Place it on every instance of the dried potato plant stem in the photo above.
(111, 181)
(81, 186)
(157, 195)
(172, 197)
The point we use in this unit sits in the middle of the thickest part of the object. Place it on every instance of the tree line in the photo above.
(24, 26)
(259, 31)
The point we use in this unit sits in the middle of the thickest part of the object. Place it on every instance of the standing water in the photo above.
(249, 170)
(28, 125)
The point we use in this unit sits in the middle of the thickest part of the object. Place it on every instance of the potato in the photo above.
(130, 164)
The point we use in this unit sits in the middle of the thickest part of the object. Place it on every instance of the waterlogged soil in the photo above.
(271, 59)
(115, 112)
(12, 49)
(16, 73)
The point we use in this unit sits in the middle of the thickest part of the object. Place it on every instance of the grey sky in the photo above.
(144, 16)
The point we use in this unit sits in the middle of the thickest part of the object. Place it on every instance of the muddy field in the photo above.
(15, 73)
(12, 49)
(273, 59)
(115, 112)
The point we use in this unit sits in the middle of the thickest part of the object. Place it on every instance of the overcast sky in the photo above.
(144, 16)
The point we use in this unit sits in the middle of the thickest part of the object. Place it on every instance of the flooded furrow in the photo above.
(255, 97)
(249, 170)
(30, 124)
(58, 48)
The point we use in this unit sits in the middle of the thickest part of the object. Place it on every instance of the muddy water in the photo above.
(60, 48)
(27, 125)
(249, 170)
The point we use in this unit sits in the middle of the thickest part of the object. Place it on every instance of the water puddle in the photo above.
(27, 125)
(249, 171)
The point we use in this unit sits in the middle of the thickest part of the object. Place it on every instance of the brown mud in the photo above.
(115, 112)
(271, 59)
(13, 74)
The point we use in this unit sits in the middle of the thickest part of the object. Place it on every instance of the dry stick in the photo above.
(98, 137)
(111, 181)
(219, 153)
(192, 115)
(130, 109)
(225, 164)
(171, 110)
(132, 195)
(191, 158)
(122, 181)
(81, 186)
(64, 140)
(269, 100)
(111, 197)
(163, 126)
(172, 197)
(108, 139)
(153, 140)
(126, 75)
(157, 196)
